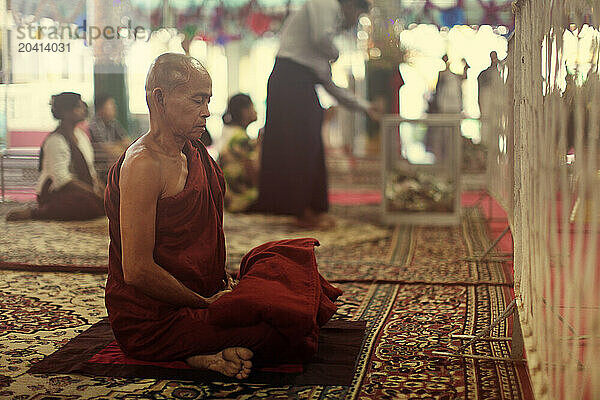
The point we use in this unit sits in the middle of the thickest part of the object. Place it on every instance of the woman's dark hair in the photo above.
(64, 102)
(236, 106)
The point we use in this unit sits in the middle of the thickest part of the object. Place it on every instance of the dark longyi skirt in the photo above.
(293, 176)
(69, 203)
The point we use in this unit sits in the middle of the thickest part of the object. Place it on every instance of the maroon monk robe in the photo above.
(276, 309)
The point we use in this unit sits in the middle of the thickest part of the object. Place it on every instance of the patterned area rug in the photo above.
(403, 286)
(85, 244)
(246, 231)
(417, 254)
(350, 252)
(52, 242)
(405, 323)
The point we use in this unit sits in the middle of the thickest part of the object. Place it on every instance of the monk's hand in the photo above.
(204, 302)
(231, 282)
(217, 296)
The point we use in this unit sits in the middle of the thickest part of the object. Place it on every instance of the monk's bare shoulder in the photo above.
(141, 169)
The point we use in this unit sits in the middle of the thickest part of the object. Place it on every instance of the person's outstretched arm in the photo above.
(350, 100)
(140, 190)
(324, 26)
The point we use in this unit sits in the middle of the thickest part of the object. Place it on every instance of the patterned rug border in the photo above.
(86, 269)
(476, 237)
(369, 341)
(482, 379)
(423, 282)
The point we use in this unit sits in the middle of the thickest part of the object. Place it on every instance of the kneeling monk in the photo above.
(168, 295)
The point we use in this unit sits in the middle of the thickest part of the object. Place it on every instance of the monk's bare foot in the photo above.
(233, 361)
(19, 215)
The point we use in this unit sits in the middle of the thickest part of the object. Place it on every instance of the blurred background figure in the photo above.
(569, 97)
(486, 82)
(293, 177)
(239, 154)
(448, 90)
(68, 187)
(487, 76)
(448, 99)
(109, 138)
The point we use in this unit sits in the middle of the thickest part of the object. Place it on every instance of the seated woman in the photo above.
(109, 139)
(238, 155)
(68, 188)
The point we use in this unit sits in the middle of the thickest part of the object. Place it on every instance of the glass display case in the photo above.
(421, 166)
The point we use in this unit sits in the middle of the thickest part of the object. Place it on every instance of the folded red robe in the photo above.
(280, 284)
(275, 311)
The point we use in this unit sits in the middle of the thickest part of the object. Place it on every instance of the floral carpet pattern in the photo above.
(414, 287)
(349, 252)
(86, 242)
(53, 242)
(418, 254)
(405, 323)
(246, 231)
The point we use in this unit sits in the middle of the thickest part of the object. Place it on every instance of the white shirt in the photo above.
(57, 159)
(307, 39)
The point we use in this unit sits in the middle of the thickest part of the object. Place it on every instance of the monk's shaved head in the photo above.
(170, 70)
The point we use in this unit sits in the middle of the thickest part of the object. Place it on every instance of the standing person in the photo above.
(293, 177)
(448, 90)
(487, 77)
(68, 188)
(487, 89)
(238, 155)
(569, 100)
(448, 99)
(108, 137)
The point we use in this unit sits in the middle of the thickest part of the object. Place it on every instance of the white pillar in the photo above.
(233, 52)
